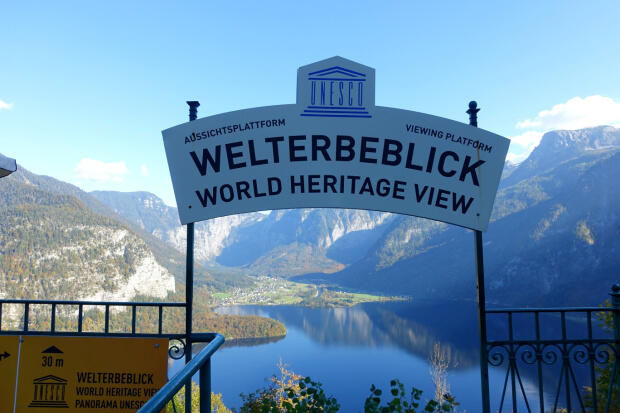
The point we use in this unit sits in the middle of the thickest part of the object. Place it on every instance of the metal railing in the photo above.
(554, 358)
(21, 324)
(201, 362)
(79, 330)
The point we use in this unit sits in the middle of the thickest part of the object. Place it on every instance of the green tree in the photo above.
(217, 403)
(307, 396)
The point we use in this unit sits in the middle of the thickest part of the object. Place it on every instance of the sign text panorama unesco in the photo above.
(80, 374)
(335, 148)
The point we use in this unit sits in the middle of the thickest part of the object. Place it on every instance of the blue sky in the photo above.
(87, 87)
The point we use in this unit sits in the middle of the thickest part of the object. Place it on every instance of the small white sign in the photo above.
(336, 88)
(335, 148)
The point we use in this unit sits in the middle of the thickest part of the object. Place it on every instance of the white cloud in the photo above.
(5, 105)
(517, 157)
(95, 170)
(144, 170)
(576, 113)
(527, 139)
(522, 145)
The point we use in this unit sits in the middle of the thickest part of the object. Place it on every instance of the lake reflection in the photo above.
(413, 328)
(349, 349)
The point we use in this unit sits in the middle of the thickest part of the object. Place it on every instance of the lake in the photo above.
(349, 349)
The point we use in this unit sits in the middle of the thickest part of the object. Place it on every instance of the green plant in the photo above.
(399, 404)
(290, 393)
(309, 397)
(217, 403)
(293, 393)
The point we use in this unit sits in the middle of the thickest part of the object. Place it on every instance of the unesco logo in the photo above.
(336, 88)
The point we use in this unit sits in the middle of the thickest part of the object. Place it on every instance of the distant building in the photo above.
(7, 166)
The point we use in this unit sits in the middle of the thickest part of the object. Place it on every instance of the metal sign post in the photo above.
(334, 148)
(189, 283)
(482, 320)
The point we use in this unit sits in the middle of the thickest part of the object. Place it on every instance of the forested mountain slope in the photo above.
(555, 233)
(53, 246)
(57, 241)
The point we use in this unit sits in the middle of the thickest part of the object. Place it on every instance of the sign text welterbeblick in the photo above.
(80, 374)
(335, 148)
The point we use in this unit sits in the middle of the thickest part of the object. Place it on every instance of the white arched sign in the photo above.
(335, 148)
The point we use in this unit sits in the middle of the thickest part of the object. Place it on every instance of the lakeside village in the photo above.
(267, 287)
(279, 291)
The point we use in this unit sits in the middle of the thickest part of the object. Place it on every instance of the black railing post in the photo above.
(205, 387)
(482, 318)
(133, 319)
(80, 316)
(26, 316)
(53, 318)
(189, 284)
(160, 323)
(615, 304)
(106, 327)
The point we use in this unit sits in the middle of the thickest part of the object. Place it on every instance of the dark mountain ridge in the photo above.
(555, 228)
(561, 145)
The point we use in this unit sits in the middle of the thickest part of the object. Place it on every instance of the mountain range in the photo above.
(59, 242)
(554, 234)
(555, 226)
